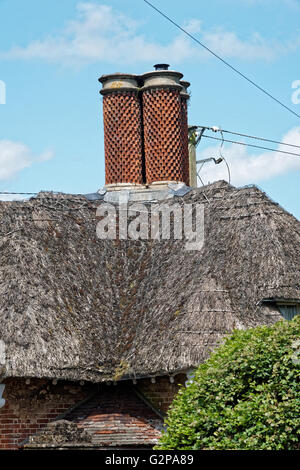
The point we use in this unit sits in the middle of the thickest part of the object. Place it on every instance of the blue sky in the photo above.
(52, 53)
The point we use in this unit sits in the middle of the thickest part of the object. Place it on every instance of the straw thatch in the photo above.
(79, 308)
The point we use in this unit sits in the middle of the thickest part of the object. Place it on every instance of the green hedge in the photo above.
(245, 396)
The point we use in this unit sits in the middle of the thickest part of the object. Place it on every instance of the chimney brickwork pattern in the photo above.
(145, 127)
(184, 130)
(122, 137)
(162, 114)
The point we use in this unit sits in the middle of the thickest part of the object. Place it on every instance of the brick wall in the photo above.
(29, 407)
(162, 392)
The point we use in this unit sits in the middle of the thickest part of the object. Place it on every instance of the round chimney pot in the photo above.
(118, 82)
(184, 93)
(122, 121)
(162, 78)
(185, 84)
(165, 127)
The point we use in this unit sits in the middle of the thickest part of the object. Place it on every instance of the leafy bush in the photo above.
(245, 396)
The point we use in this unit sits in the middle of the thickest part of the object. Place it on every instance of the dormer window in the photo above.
(288, 309)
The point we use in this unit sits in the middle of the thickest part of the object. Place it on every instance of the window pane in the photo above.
(289, 311)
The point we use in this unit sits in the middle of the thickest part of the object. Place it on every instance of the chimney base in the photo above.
(156, 185)
(124, 187)
(152, 193)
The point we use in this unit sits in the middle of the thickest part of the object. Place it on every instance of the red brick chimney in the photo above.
(162, 114)
(145, 128)
(122, 129)
(184, 129)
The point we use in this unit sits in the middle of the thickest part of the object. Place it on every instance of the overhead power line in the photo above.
(249, 136)
(222, 60)
(53, 193)
(250, 145)
(8, 192)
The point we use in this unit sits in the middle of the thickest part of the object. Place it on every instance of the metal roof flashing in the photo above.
(154, 193)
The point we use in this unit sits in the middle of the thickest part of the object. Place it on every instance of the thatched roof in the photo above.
(79, 308)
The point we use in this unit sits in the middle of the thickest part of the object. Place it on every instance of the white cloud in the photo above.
(288, 3)
(99, 33)
(15, 156)
(13, 197)
(193, 25)
(227, 44)
(251, 168)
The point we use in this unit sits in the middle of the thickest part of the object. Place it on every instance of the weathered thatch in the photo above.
(76, 307)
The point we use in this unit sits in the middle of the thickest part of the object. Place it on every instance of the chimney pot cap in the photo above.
(185, 83)
(117, 76)
(161, 66)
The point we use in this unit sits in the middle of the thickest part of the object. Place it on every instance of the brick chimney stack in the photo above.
(145, 128)
(122, 129)
(162, 114)
(184, 129)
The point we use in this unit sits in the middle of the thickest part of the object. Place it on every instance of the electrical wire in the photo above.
(8, 192)
(250, 136)
(224, 159)
(222, 60)
(250, 145)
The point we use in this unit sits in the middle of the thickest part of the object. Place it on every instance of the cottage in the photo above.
(97, 333)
